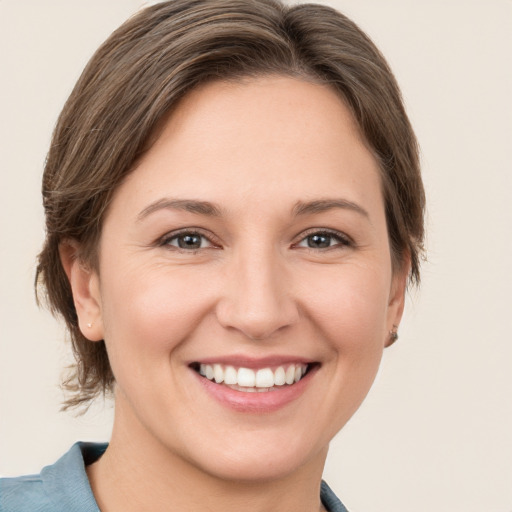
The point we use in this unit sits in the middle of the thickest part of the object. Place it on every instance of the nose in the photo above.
(257, 299)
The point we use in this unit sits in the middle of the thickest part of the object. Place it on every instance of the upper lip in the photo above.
(253, 362)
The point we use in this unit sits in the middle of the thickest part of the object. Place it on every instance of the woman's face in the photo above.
(250, 246)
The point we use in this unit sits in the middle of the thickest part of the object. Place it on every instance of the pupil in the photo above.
(319, 241)
(189, 241)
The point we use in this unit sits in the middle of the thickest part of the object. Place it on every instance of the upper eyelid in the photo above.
(192, 230)
(213, 239)
(328, 231)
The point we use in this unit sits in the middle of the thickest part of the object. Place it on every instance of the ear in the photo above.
(396, 302)
(85, 288)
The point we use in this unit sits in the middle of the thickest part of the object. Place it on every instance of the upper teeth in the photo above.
(246, 377)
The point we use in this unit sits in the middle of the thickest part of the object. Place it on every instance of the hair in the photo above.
(136, 78)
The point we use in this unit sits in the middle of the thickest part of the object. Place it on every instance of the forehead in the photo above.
(275, 110)
(251, 138)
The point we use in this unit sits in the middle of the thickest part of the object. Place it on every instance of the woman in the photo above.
(234, 208)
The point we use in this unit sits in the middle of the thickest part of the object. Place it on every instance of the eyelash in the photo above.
(340, 238)
(166, 240)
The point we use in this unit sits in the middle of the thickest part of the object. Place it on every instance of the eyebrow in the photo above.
(322, 205)
(188, 205)
(210, 209)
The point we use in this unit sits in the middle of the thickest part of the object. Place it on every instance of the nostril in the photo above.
(257, 305)
(257, 327)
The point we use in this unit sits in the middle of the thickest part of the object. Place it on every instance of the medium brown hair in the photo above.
(138, 76)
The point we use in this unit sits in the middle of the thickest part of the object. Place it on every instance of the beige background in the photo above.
(436, 430)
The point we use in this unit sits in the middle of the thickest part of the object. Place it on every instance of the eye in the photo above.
(187, 241)
(324, 240)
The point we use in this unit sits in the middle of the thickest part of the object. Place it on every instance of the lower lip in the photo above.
(256, 402)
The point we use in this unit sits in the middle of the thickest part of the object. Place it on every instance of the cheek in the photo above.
(350, 308)
(351, 318)
(148, 313)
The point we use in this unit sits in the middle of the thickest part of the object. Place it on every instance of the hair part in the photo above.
(136, 79)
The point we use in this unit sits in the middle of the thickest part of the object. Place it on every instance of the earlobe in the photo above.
(84, 284)
(396, 305)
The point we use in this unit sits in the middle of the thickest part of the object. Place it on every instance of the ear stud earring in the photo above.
(393, 335)
(89, 324)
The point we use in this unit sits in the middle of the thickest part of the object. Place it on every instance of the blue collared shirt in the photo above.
(64, 487)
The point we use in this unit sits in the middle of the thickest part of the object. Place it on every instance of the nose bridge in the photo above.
(258, 298)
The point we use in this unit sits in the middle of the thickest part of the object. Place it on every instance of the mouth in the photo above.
(254, 380)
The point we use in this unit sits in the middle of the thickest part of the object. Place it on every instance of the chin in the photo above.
(259, 459)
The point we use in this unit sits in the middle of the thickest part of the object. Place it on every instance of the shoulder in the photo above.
(21, 494)
(329, 500)
(61, 487)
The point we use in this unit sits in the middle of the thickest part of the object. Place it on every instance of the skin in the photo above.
(256, 149)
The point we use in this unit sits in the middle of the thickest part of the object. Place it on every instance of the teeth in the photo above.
(264, 378)
(279, 377)
(230, 375)
(218, 373)
(246, 379)
(290, 375)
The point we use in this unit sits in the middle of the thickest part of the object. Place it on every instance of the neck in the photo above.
(137, 473)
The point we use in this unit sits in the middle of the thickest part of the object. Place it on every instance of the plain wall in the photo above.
(435, 431)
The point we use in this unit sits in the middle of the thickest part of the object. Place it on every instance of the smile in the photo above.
(253, 380)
